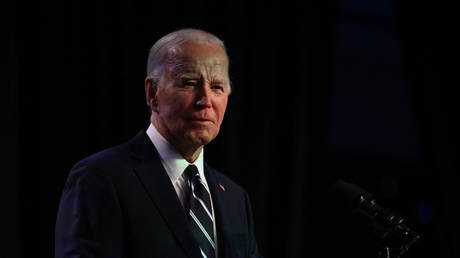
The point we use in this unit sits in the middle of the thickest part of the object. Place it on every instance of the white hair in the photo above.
(160, 52)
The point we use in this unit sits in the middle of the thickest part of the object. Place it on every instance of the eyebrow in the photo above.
(197, 76)
(218, 82)
(189, 76)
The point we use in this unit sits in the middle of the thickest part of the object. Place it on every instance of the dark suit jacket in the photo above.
(120, 203)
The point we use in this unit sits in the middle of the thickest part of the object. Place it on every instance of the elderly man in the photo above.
(154, 196)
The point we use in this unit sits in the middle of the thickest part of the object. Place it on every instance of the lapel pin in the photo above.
(222, 187)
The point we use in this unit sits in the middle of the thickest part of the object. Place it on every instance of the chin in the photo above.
(201, 138)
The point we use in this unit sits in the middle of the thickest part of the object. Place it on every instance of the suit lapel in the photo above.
(158, 185)
(219, 197)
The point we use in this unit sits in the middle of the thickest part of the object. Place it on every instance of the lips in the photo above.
(201, 120)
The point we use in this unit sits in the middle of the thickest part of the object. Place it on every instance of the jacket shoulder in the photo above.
(105, 158)
(119, 156)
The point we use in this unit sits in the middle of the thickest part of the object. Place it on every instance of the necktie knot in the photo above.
(192, 173)
(196, 184)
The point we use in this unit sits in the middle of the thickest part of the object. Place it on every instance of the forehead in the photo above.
(199, 57)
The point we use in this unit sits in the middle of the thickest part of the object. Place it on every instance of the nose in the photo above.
(204, 97)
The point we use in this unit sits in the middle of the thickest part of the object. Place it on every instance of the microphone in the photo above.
(393, 236)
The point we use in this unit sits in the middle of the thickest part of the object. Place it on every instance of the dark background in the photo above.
(358, 90)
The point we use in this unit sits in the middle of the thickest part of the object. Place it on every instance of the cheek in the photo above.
(175, 115)
(220, 109)
(175, 108)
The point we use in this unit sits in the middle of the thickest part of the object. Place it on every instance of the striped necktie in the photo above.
(200, 213)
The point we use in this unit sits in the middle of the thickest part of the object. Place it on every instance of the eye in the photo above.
(190, 83)
(218, 87)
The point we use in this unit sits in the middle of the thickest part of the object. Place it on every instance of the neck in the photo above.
(189, 154)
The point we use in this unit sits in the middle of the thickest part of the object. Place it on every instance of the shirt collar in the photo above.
(172, 161)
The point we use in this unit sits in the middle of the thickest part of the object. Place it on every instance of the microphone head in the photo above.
(348, 195)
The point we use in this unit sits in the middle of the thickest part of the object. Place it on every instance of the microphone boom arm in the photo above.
(393, 236)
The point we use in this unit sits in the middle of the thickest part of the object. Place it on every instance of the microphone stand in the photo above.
(396, 241)
(385, 252)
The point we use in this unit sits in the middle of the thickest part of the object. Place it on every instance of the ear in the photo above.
(151, 90)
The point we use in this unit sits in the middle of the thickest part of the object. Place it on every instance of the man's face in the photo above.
(192, 95)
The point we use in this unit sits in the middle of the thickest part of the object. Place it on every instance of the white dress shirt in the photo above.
(175, 164)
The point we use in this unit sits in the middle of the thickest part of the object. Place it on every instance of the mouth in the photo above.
(201, 121)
